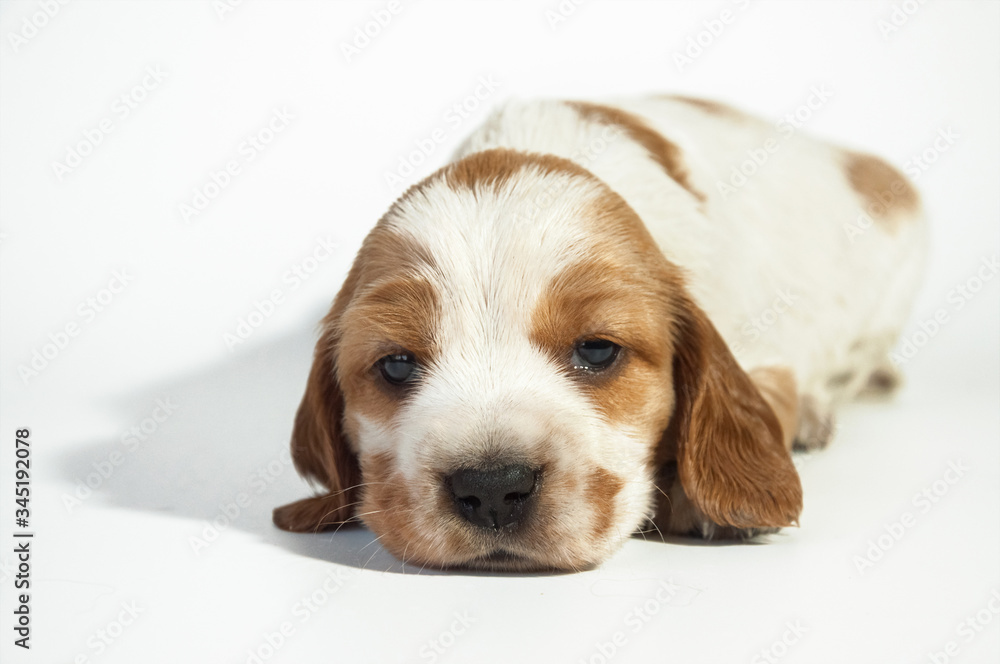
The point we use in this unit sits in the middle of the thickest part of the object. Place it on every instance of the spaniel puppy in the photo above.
(601, 319)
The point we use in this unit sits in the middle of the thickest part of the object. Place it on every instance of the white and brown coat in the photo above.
(561, 222)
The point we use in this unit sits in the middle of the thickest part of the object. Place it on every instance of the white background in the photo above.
(801, 596)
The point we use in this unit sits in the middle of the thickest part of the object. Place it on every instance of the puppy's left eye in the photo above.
(399, 368)
(595, 354)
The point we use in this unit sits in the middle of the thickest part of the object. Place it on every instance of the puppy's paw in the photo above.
(816, 425)
(883, 381)
(677, 515)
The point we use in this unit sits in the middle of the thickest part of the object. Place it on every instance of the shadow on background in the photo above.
(214, 447)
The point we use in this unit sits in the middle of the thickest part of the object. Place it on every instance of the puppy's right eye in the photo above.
(399, 368)
(595, 354)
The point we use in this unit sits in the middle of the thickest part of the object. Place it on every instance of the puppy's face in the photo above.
(497, 379)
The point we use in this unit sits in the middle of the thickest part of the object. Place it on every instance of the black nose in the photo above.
(494, 498)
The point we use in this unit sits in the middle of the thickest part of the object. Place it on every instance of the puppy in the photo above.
(601, 319)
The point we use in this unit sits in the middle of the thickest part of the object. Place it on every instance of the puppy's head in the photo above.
(507, 370)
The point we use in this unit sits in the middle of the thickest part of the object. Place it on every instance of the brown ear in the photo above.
(731, 457)
(320, 451)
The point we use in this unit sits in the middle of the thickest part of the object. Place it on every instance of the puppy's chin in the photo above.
(505, 560)
(502, 560)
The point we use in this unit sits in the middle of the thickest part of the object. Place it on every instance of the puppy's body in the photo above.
(741, 318)
(842, 294)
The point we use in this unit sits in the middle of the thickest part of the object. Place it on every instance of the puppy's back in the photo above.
(803, 253)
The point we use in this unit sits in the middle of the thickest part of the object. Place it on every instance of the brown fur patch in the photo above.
(597, 299)
(392, 317)
(665, 153)
(386, 498)
(885, 192)
(623, 296)
(602, 487)
(388, 509)
(493, 168)
(712, 107)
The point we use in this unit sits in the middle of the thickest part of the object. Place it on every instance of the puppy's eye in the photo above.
(399, 368)
(595, 354)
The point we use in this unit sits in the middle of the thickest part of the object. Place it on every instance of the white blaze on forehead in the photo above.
(496, 248)
(495, 251)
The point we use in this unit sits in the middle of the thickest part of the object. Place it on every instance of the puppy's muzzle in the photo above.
(495, 498)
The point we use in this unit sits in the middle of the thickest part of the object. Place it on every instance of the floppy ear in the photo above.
(731, 457)
(320, 451)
